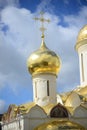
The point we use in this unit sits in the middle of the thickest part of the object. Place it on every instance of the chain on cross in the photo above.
(42, 20)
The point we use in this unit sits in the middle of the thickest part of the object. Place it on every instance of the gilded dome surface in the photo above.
(60, 124)
(82, 37)
(43, 61)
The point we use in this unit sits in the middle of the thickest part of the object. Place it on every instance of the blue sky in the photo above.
(20, 36)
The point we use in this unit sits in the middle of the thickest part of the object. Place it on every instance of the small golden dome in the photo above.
(43, 61)
(82, 37)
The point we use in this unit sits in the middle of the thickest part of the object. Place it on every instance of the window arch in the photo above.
(59, 111)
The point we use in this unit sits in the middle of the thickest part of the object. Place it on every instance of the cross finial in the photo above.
(42, 20)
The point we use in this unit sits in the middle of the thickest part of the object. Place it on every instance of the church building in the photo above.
(49, 110)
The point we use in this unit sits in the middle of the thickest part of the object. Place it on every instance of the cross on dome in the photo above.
(42, 20)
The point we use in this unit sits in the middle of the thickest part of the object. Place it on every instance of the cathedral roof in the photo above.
(14, 110)
(82, 90)
(73, 100)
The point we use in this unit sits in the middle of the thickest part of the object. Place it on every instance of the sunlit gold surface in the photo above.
(43, 61)
(25, 108)
(59, 125)
(82, 37)
(48, 108)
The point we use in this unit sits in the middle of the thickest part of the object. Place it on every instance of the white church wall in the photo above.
(80, 116)
(80, 112)
(37, 112)
(26, 123)
(35, 122)
(82, 51)
(80, 121)
(35, 117)
(14, 125)
(44, 93)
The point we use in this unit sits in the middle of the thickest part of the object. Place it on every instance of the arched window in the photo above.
(59, 111)
(48, 88)
(35, 89)
(82, 65)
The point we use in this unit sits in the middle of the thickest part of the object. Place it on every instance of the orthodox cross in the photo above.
(42, 20)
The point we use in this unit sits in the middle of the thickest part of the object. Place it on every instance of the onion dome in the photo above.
(60, 124)
(43, 61)
(82, 37)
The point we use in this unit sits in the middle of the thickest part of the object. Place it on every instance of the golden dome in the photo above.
(43, 61)
(60, 124)
(82, 37)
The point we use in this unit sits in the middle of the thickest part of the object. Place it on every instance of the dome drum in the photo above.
(81, 43)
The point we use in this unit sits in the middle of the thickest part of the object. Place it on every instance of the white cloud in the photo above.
(66, 2)
(2, 106)
(45, 6)
(77, 20)
(23, 36)
(4, 3)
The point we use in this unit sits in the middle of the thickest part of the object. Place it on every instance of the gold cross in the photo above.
(42, 20)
